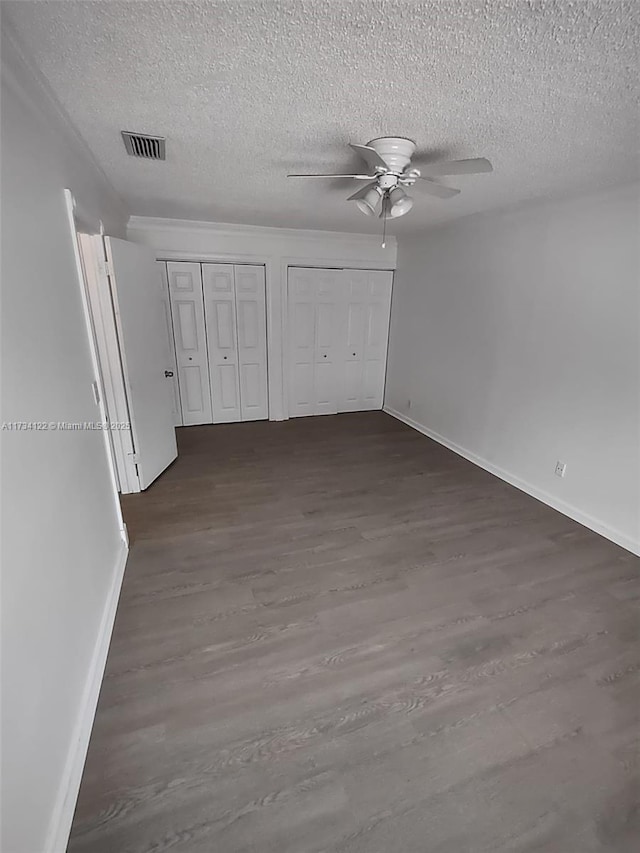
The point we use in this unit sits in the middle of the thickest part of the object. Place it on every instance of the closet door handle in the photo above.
(224, 357)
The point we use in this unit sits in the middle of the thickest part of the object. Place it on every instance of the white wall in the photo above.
(276, 248)
(516, 338)
(62, 550)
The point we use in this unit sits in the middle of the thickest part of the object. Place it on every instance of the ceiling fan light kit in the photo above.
(369, 202)
(399, 202)
(388, 159)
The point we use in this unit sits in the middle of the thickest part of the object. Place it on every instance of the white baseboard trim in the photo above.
(60, 824)
(566, 509)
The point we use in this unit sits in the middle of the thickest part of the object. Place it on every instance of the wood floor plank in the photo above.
(336, 635)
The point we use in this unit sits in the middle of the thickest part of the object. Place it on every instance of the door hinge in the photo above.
(106, 267)
(133, 457)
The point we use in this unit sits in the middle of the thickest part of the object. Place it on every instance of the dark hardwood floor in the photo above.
(336, 635)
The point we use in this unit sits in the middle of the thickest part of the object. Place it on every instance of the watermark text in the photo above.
(61, 426)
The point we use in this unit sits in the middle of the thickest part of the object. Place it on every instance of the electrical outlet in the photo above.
(561, 468)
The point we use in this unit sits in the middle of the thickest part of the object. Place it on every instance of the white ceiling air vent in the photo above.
(141, 145)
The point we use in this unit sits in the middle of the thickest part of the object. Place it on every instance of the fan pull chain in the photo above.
(384, 221)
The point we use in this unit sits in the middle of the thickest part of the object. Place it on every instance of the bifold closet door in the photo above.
(338, 331)
(187, 310)
(235, 315)
(367, 296)
(315, 322)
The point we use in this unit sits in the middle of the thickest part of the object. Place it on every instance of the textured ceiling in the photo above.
(246, 91)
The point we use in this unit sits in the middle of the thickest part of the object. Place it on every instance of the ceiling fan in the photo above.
(389, 159)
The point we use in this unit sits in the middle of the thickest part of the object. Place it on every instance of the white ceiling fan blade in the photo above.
(357, 177)
(459, 167)
(370, 156)
(361, 193)
(437, 189)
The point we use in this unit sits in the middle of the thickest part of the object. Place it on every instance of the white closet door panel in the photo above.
(220, 312)
(226, 401)
(249, 323)
(301, 298)
(377, 328)
(187, 310)
(357, 284)
(355, 290)
(302, 396)
(328, 325)
(372, 385)
(325, 389)
(223, 333)
(351, 398)
(375, 354)
(302, 331)
(367, 302)
(376, 338)
(251, 318)
(355, 324)
(187, 326)
(315, 324)
(325, 325)
(172, 367)
(191, 391)
(253, 392)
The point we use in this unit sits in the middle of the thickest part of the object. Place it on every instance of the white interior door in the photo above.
(367, 305)
(101, 303)
(171, 368)
(315, 320)
(251, 319)
(187, 311)
(220, 319)
(140, 323)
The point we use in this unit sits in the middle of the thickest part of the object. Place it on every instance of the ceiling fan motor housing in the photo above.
(387, 181)
(396, 151)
